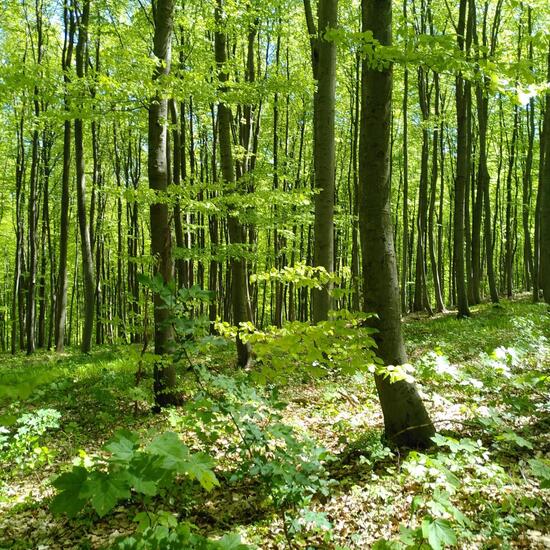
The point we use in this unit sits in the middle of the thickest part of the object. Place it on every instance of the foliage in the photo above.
(305, 456)
(146, 471)
(174, 536)
(21, 445)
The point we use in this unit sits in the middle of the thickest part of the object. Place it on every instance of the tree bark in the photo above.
(161, 242)
(406, 420)
(544, 213)
(87, 260)
(463, 98)
(323, 61)
(239, 287)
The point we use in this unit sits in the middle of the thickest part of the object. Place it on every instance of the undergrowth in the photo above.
(288, 454)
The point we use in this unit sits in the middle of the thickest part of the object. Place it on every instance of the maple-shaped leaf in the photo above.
(104, 490)
(122, 445)
(438, 532)
(69, 500)
(173, 451)
(199, 467)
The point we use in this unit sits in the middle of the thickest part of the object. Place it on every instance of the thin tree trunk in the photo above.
(440, 306)
(239, 287)
(463, 98)
(161, 242)
(86, 248)
(544, 213)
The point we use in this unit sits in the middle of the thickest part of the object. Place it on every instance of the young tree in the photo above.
(406, 420)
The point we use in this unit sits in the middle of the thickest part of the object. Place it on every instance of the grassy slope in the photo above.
(471, 391)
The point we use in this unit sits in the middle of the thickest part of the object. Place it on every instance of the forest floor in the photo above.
(485, 483)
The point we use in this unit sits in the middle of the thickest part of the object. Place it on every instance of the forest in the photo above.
(274, 275)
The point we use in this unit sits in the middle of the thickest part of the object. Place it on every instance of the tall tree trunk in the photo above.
(510, 218)
(61, 299)
(405, 248)
(161, 241)
(440, 306)
(405, 417)
(324, 72)
(463, 98)
(421, 300)
(19, 234)
(33, 194)
(87, 260)
(544, 212)
(239, 287)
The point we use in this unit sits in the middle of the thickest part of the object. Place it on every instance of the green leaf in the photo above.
(515, 438)
(7, 420)
(438, 532)
(104, 491)
(69, 501)
(146, 473)
(122, 445)
(231, 541)
(541, 469)
(199, 467)
(174, 453)
(383, 544)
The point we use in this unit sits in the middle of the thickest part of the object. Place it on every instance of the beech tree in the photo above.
(406, 420)
(323, 58)
(544, 212)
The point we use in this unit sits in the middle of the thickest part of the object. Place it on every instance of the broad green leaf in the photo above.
(8, 420)
(173, 451)
(513, 437)
(438, 532)
(122, 445)
(231, 541)
(386, 545)
(199, 467)
(541, 469)
(69, 501)
(104, 491)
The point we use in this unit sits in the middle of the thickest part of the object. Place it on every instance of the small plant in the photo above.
(130, 469)
(21, 446)
(167, 534)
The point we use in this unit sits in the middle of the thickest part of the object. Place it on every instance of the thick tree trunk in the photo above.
(323, 62)
(405, 418)
(161, 241)
(324, 154)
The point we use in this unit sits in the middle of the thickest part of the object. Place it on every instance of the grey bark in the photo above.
(406, 420)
